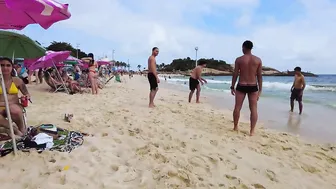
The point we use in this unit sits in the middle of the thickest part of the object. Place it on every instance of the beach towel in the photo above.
(63, 140)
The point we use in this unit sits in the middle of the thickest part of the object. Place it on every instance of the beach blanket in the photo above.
(63, 140)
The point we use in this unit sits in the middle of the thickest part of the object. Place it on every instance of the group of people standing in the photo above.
(248, 68)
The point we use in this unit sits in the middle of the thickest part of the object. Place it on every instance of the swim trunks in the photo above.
(247, 89)
(193, 83)
(296, 95)
(152, 81)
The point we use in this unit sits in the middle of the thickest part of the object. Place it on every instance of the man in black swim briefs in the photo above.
(194, 80)
(297, 88)
(153, 76)
(249, 69)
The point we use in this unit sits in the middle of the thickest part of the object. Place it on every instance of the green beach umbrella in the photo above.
(70, 62)
(14, 44)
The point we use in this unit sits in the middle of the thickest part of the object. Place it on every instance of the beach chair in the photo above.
(54, 84)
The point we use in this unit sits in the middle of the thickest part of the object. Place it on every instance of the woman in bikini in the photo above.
(93, 74)
(13, 86)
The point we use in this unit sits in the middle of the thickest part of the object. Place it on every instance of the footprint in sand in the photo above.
(236, 182)
(231, 165)
(258, 186)
(214, 142)
(271, 175)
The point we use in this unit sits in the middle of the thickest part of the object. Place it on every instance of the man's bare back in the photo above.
(248, 65)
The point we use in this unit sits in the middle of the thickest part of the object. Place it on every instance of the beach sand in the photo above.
(175, 145)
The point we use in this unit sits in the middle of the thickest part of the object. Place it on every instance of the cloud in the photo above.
(176, 27)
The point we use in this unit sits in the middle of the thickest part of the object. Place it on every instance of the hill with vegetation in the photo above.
(215, 68)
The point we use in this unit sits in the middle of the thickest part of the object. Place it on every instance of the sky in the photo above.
(285, 33)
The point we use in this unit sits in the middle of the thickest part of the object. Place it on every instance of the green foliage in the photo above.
(188, 64)
(63, 46)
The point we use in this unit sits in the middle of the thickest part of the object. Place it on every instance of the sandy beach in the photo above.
(175, 145)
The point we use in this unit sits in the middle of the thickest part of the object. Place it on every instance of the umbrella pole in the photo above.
(66, 89)
(9, 117)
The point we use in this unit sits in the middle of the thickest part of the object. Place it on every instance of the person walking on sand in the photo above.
(299, 85)
(194, 80)
(249, 69)
(153, 76)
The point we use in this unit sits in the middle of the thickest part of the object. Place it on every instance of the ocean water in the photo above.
(319, 98)
(319, 90)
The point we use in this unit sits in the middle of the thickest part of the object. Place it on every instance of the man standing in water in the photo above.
(153, 76)
(194, 80)
(299, 85)
(249, 69)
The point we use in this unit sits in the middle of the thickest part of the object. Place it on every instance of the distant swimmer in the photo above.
(299, 85)
(153, 76)
(194, 80)
(249, 69)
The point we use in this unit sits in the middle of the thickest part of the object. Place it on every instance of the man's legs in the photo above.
(253, 104)
(198, 93)
(151, 97)
(291, 104)
(191, 95)
(300, 107)
(239, 100)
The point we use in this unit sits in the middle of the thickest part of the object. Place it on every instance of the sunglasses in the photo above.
(6, 65)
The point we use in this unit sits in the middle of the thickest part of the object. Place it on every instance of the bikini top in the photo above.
(12, 89)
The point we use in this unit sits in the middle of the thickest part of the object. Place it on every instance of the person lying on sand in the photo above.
(13, 86)
(249, 69)
(299, 85)
(194, 80)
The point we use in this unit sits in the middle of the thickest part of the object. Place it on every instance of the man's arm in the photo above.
(259, 77)
(303, 83)
(235, 73)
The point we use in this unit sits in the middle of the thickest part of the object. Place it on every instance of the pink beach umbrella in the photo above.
(17, 14)
(49, 60)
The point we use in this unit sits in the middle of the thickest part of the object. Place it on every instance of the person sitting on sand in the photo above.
(194, 80)
(249, 69)
(299, 85)
(13, 86)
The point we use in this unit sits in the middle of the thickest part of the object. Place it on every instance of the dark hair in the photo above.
(91, 55)
(154, 48)
(248, 44)
(91, 61)
(297, 69)
(13, 72)
(7, 59)
(201, 62)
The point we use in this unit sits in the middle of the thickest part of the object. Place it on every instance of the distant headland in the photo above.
(216, 68)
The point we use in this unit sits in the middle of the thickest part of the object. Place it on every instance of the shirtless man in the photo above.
(153, 76)
(194, 80)
(299, 85)
(249, 69)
